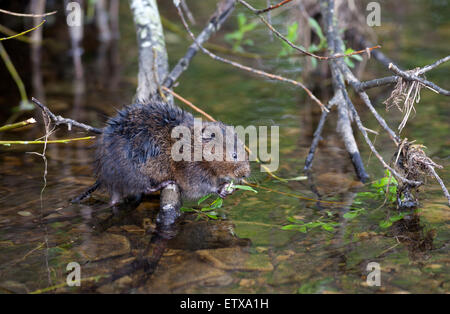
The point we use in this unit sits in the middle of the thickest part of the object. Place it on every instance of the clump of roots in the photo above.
(403, 97)
(411, 233)
(412, 162)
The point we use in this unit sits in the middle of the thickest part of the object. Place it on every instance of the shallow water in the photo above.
(246, 251)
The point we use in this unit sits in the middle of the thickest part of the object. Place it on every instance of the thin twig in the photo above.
(246, 68)
(187, 102)
(301, 50)
(377, 54)
(423, 81)
(26, 14)
(7, 31)
(24, 32)
(316, 137)
(223, 11)
(12, 70)
(47, 122)
(369, 142)
(293, 195)
(337, 68)
(362, 86)
(47, 142)
(272, 7)
(441, 183)
(354, 82)
(188, 12)
(17, 125)
(69, 122)
(432, 66)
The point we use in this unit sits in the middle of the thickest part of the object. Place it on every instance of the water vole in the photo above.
(135, 155)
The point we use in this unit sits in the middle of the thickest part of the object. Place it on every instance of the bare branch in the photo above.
(362, 86)
(187, 102)
(188, 12)
(24, 32)
(149, 33)
(425, 82)
(247, 68)
(275, 6)
(69, 122)
(317, 136)
(338, 70)
(432, 66)
(344, 116)
(17, 125)
(216, 21)
(350, 77)
(441, 183)
(283, 38)
(377, 54)
(65, 141)
(25, 14)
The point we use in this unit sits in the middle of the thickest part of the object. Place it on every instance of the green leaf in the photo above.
(295, 227)
(249, 42)
(396, 217)
(187, 210)
(314, 224)
(313, 48)
(357, 57)
(201, 200)
(349, 62)
(292, 219)
(289, 227)
(350, 215)
(245, 187)
(241, 19)
(217, 203)
(327, 227)
(292, 32)
(348, 50)
(316, 27)
(233, 36)
(248, 27)
(385, 224)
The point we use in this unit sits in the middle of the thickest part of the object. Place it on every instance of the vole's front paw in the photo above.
(225, 190)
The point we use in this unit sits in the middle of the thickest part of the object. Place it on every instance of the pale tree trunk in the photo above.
(153, 60)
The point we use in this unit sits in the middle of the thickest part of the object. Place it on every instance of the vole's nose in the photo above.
(245, 171)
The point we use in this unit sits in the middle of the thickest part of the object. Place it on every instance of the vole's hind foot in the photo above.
(160, 186)
(85, 194)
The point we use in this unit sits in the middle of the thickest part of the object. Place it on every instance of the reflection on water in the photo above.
(246, 251)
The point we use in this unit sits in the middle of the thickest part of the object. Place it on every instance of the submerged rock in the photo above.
(104, 246)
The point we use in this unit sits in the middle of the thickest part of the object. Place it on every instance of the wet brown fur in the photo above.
(133, 155)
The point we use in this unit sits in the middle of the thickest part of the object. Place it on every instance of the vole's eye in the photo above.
(234, 156)
(213, 135)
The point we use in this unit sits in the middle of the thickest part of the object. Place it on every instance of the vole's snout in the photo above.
(243, 171)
